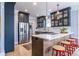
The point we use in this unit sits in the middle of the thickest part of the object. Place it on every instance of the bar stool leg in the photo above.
(64, 53)
(61, 54)
(52, 52)
(56, 53)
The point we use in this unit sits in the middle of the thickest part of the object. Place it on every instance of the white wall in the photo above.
(54, 29)
(74, 23)
(33, 23)
(15, 26)
(2, 29)
(78, 26)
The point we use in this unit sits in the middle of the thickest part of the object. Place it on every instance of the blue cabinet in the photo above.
(9, 26)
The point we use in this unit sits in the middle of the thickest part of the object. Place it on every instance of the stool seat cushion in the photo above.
(58, 47)
(71, 40)
(65, 42)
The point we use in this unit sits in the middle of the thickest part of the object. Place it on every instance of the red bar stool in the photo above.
(76, 46)
(75, 42)
(72, 42)
(68, 50)
(60, 50)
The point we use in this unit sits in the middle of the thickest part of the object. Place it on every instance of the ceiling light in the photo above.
(58, 13)
(57, 8)
(26, 10)
(34, 3)
(47, 10)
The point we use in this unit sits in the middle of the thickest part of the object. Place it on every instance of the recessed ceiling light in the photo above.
(26, 10)
(49, 10)
(34, 3)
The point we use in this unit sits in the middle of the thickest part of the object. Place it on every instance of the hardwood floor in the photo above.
(20, 51)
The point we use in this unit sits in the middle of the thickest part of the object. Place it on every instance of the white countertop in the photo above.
(51, 37)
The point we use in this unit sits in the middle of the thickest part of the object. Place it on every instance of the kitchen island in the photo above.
(42, 43)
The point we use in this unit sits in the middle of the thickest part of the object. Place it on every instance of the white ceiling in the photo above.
(40, 8)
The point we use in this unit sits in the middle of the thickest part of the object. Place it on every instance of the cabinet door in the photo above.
(41, 22)
(37, 46)
(63, 17)
(56, 23)
(52, 23)
(65, 21)
(23, 17)
(60, 22)
(9, 27)
(65, 13)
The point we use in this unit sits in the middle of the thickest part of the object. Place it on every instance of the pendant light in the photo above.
(46, 11)
(57, 13)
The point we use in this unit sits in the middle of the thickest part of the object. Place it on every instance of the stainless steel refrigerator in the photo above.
(23, 32)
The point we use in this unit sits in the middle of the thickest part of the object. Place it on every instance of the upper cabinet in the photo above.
(41, 22)
(62, 20)
(23, 17)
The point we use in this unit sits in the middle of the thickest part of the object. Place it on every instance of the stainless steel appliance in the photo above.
(23, 32)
